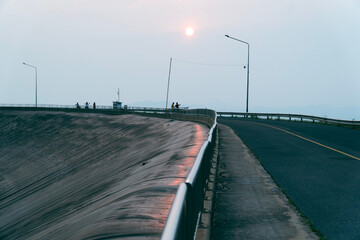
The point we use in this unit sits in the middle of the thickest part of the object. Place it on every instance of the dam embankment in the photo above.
(88, 175)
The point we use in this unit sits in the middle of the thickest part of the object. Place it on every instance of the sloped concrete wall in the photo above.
(83, 175)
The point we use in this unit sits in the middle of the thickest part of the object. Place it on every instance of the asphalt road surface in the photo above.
(91, 176)
(318, 167)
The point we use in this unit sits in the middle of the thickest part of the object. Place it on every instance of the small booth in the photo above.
(117, 105)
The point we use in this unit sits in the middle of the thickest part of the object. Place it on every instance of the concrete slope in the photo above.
(77, 176)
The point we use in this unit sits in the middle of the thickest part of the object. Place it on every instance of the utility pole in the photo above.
(167, 93)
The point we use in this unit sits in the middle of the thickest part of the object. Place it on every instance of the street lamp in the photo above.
(247, 86)
(35, 81)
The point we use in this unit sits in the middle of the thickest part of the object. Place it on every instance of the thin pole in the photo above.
(35, 81)
(36, 87)
(248, 69)
(247, 86)
(167, 93)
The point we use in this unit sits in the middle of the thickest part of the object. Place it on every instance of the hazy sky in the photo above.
(304, 55)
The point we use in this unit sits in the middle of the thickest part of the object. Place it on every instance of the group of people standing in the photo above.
(87, 104)
(177, 105)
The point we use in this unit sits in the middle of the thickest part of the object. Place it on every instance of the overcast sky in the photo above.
(304, 55)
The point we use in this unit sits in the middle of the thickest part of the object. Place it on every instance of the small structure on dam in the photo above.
(85, 175)
(117, 104)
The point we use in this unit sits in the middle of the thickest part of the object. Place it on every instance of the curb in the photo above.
(204, 229)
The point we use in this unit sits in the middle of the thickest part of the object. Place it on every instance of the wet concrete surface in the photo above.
(91, 176)
(248, 203)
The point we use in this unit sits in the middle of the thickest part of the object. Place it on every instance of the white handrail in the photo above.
(175, 220)
(177, 209)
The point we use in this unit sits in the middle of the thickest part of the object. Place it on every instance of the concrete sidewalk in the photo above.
(248, 203)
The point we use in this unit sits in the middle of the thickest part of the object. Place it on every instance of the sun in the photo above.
(189, 31)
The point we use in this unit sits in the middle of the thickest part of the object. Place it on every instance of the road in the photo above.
(318, 167)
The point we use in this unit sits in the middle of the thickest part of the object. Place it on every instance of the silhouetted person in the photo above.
(77, 105)
(94, 105)
(177, 105)
(86, 105)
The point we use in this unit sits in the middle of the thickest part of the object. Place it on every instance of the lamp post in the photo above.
(247, 86)
(35, 81)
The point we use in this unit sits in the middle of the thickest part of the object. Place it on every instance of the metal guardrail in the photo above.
(291, 117)
(57, 106)
(185, 211)
(111, 110)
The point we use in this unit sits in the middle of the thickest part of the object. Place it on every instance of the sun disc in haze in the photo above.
(189, 31)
